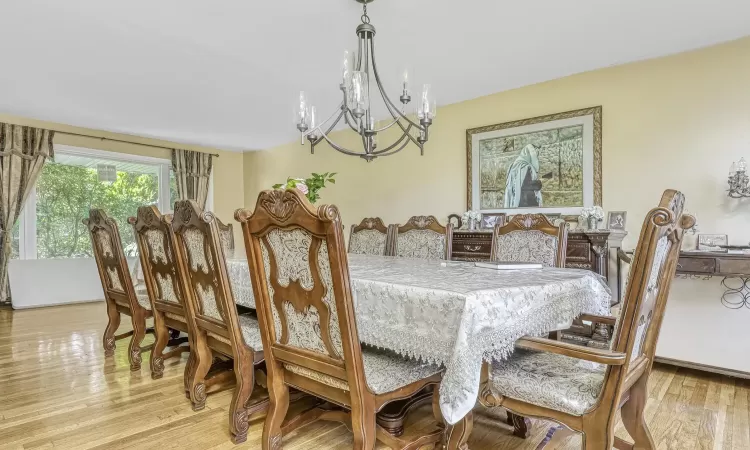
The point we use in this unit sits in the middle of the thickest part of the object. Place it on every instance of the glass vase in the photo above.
(592, 223)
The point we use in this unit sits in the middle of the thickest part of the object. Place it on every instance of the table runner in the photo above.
(454, 313)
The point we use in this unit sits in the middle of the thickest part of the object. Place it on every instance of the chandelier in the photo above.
(738, 180)
(355, 108)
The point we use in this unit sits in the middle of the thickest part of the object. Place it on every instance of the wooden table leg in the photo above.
(521, 425)
(456, 436)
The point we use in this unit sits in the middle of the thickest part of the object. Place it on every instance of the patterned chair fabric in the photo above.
(530, 238)
(527, 246)
(291, 253)
(370, 237)
(226, 235)
(251, 332)
(368, 242)
(554, 381)
(424, 238)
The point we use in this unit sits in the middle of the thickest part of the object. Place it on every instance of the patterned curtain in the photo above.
(23, 152)
(192, 171)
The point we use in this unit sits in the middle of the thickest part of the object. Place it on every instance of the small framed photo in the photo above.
(489, 220)
(616, 220)
(711, 242)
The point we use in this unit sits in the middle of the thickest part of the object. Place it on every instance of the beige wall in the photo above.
(229, 193)
(673, 122)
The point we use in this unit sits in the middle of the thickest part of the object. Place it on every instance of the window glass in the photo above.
(71, 185)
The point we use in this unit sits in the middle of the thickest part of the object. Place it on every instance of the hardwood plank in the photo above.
(60, 391)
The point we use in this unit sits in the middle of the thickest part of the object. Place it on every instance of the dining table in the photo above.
(455, 314)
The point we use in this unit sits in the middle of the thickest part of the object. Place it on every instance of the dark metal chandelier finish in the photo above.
(355, 108)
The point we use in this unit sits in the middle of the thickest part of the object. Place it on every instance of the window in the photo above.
(78, 180)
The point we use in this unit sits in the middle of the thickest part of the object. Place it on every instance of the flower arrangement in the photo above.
(592, 215)
(472, 218)
(309, 186)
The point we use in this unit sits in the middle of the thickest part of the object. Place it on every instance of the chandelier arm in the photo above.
(395, 144)
(347, 114)
(392, 151)
(333, 125)
(341, 149)
(318, 128)
(388, 103)
(387, 126)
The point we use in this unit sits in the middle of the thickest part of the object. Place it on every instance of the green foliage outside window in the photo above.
(65, 193)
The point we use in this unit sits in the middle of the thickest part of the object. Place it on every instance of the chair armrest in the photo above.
(606, 320)
(596, 355)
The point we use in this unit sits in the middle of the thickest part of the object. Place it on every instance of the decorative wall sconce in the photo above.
(739, 182)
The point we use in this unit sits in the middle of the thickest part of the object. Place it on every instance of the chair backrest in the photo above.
(370, 237)
(300, 275)
(423, 237)
(155, 239)
(110, 259)
(226, 235)
(530, 238)
(206, 285)
(652, 271)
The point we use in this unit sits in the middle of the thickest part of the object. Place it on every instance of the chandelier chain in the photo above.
(365, 18)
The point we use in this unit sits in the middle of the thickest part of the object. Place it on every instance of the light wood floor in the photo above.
(57, 390)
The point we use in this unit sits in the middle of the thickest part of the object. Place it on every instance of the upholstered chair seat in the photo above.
(384, 372)
(387, 371)
(251, 332)
(553, 381)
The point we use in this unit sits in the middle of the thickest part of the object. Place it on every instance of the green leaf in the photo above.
(276, 186)
(332, 181)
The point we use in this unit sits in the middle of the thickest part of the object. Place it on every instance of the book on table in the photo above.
(508, 265)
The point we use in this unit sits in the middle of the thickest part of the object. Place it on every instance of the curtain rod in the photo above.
(121, 140)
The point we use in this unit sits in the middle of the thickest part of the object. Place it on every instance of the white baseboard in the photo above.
(57, 304)
(703, 367)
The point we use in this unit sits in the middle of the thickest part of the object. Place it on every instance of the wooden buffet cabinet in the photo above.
(586, 249)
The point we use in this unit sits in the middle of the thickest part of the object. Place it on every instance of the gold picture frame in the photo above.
(596, 159)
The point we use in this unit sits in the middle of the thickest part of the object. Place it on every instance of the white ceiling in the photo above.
(226, 73)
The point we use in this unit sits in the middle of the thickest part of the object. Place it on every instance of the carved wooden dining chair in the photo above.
(119, 292)
(423, 237)
(582, 388)
(218, 330)
(301, 281)
(226, 235)
(530, 238)
(370, 237)
(155, 240)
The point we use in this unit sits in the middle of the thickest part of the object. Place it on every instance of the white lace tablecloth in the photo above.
(455, 314)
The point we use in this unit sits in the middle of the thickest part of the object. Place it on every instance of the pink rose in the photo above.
(302, 187)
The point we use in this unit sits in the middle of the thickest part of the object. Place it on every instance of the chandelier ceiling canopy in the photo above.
(359, 79)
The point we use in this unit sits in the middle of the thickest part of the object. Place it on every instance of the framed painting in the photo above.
(550, 164)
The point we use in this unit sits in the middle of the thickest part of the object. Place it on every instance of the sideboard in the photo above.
(587, 249)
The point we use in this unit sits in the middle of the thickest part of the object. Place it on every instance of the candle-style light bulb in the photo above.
(302, 113)
(427, 107)
(732, 169)
(742, 165)
(406, 80)
(359, 102)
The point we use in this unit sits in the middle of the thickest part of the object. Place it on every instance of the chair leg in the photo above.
(633, 417)
(597, 439)
(457, 436)
(521, 425)
(278, 394)
(113, 324)
(364, 427)
(202, 359)
(139, 332)
(157, 354)
(189, 370)
(238, 414)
